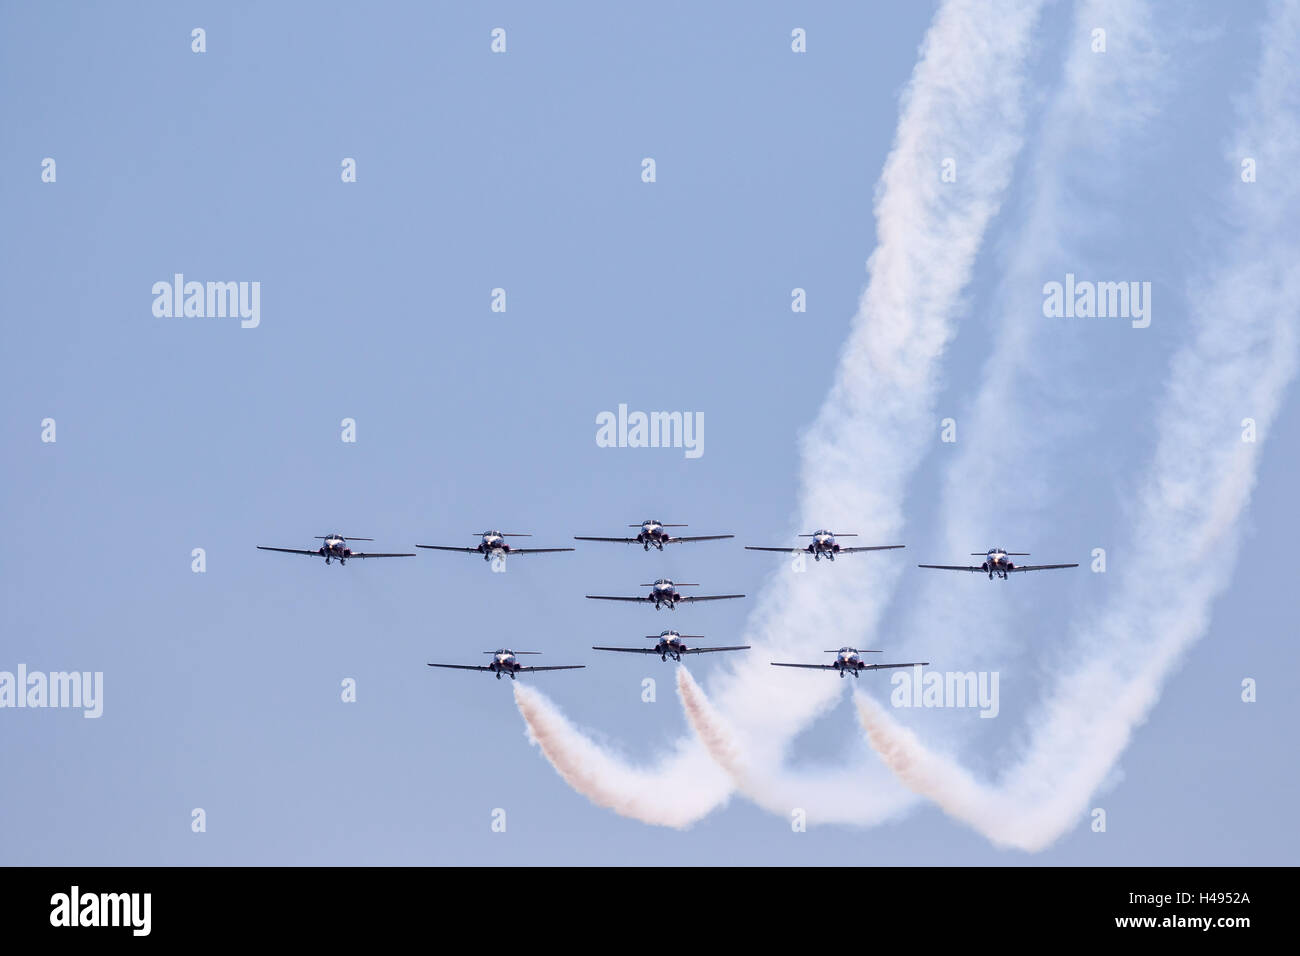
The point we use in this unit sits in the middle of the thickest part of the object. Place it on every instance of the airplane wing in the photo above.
(363, 554)
(705, 650)
(815, 667)
(879, 547)
(877, 667)
(951, 567)
(605, 597)
(628, 650)
(314, 554)
(792, 549)
(535, 550)
(700, 537)
(443, 547)
(556, 667)
(463, 667)
(615, 540)
(1041, 567)
(710, 597)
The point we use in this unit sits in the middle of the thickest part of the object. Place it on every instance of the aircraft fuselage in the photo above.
(823, 542)
(506, 664)
(335, 547)
(665, 594)
(670, 648)
(997, 563)
(493, 545)
(848, 664)
(653, 535)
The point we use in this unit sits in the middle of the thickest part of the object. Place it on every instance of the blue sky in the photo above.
(522, 171)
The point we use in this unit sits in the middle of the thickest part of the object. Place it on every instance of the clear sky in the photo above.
(523, 171)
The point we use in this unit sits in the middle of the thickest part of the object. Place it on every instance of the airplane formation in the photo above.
(664, 592)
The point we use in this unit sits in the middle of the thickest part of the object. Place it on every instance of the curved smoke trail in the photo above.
(1240, 363)
(1113, 97)
(823, 796)
(607, 781)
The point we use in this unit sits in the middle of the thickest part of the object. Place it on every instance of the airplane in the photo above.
(664, 591)
(494, 545)
(336, 546)
(506, 662)
(652, 534)
(848, 660)
(823, 542)
(671, 644)
(997, 561)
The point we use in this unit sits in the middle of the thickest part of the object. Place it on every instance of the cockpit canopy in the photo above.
(663, 581)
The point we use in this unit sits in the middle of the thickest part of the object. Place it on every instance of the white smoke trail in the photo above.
(1239, 364)
(964, 102)
(709, 727)
(823, 796)
(648, 795)
(1111, 96)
